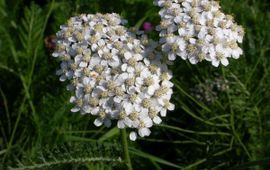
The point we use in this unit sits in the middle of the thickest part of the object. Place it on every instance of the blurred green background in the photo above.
(222, 116)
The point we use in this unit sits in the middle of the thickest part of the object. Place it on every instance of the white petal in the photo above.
(144, 132)
(94, 61)
(63, 78)
(193, 60)
(133, 136)
(86, 80)
(117, 99)
(177, 19)
(78, 73)
(138, 57)
(107, 122)
(83, 64)
(215, 63)
(145, 73)
(96, 92)
(98, 122)
(224, 61)
(114, 114)
(167, 83)
(75, 109)
(95, 111)
(114, 63)
(128, 108)
(137, 107)
(128, 122)
(148, 122)
(55, 54)
(163, 112)
(127, 55)
(101, 43)
(135, 123)
(130, 69)
(94, 47)
(192, 40)
(151, 90)
(131, 90)
(122, 77)
(171, 56)
(157, 120)
(104, 62)
(166, 47)
(171, 107)
(181, 31)
(236, 53)
(130, 46)
(72, 99)
(172, 28)
(79, 93)
(144, 112)
(69, 74)
(124, 67)
(146, 61)
(114, 50)
(139, 81)
(78, 58)
(87, 108)
(121, 124)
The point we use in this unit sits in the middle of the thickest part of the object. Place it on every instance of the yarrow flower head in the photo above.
(111, 74)
(197, 30)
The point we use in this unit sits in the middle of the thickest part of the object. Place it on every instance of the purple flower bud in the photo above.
(147, 26)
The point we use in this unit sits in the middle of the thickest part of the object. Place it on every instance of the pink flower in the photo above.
(147, 26)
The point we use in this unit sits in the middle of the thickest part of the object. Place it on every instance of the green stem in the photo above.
(125, 149)
(15, 128)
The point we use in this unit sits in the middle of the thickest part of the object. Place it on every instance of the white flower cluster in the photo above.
(197, 30)
(110, 74)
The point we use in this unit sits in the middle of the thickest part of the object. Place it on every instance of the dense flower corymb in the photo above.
(110, 74)
(197, 30)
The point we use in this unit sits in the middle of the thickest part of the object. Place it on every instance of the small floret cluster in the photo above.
(112, 74)
(197, 30)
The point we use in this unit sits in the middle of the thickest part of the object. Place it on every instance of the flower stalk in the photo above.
(125, 149)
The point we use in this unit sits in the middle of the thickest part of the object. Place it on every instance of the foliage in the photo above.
(38, 131)
(68, 155)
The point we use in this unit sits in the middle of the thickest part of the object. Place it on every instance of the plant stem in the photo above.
(125, 149)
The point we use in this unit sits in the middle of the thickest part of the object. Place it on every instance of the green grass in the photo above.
(37, 130)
